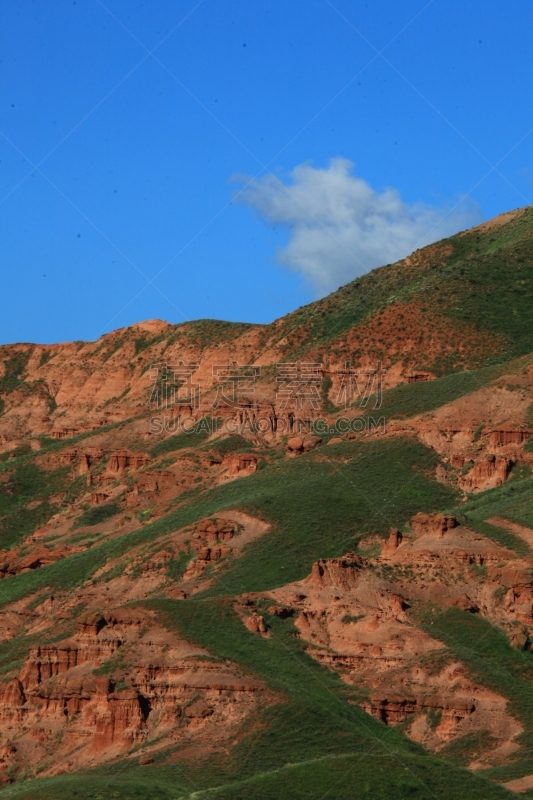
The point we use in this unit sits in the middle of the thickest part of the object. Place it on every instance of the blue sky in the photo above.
(237, 159)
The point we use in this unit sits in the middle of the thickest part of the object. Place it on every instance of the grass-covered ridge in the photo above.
(482, 279)
(513, 500)
(410, 399)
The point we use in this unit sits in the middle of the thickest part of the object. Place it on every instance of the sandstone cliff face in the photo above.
(123, 681)
(487, 473)
(480, 438)
(158, 688)
(12, 563)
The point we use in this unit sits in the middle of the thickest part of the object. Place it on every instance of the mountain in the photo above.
(280, 561)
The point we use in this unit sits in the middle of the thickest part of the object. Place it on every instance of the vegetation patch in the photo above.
(26, 500)
(13, 370)
(98, 514)
(487, 653)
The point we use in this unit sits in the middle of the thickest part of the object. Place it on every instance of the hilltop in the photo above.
(457, 305)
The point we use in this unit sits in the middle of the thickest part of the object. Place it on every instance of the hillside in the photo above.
(220, 580)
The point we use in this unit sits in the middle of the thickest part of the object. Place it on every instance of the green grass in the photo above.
(468, 748)
(357, 775)
(176, 566)
(513, 500)
(410, 399)
(499, 535)
(98, 514)
(144, 342)
(13, 653)
(13, 370)
(231, 444)
(317, 509)
(496, 287)
(485, 650)
(28, 483)
(321, 509)
(84, 786)
(193, 438)
(207, 332)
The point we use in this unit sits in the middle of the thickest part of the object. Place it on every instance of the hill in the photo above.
(233, 566)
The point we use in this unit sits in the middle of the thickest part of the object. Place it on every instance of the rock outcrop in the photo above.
(489, 472)
(301, 443)
(432, 525)
(155, 686)
(122, 460)
(356, 623)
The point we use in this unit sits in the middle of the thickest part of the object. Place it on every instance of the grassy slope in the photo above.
(318, 508)
(29, 484)
(313, 740)
(486, 652)
(513, 500)
(410, 399)
(318, 505)
(481, 278)
(477, 643)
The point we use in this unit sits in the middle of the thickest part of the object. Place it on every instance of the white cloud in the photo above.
(340, 227)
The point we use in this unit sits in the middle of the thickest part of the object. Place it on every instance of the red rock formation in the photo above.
(87, 457)
(256, 624)
(115, 717)
(489, 472)
(392, 543)
(358, 626)
(432, 524)
(64, 433)
(161, 684)
(121, 460)
(240, 464)
(466, 604)
(501, 438)
(301, 443)
(517, 579)
(215, 530)
(392, 711)
(11, 563)
(342, 573)
(99, 497)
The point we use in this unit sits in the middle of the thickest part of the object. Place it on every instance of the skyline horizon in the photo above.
(189, 161)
